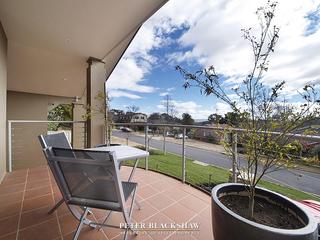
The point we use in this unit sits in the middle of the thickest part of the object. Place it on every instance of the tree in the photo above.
(154, 117)
(257, 105)
(117, 116)
(216, 118)
(133, 108)
(187, 119)
(62, 112)
(232, 118)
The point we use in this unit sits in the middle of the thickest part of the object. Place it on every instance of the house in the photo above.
(139, 118)
(209, 135)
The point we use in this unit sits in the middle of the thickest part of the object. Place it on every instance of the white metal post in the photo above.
(10, 146)
(234, 142)
(183, 155)
(164, 141)
(146, 141)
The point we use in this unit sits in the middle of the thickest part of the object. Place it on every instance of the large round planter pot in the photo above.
(228, 225)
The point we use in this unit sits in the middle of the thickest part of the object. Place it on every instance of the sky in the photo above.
(199, 33)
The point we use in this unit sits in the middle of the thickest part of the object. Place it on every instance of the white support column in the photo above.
(96, 77)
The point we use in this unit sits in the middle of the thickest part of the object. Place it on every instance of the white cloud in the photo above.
(214, 38)
(167, 92)
(162, 94)
(119, 93)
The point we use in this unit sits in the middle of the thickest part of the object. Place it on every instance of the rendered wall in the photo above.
(3, 99)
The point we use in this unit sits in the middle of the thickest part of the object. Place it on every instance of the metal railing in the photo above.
(232, 136)
(22, 139)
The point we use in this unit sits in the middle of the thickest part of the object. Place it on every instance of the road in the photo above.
(305, 181)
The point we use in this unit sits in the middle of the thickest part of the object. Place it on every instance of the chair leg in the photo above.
(58, 204)
(83, 217)
(106, 219)
(128, 218)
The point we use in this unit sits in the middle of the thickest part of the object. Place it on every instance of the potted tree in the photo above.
(246, 211)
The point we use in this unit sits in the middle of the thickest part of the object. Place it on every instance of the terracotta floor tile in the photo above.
(162, 185)
(57, 195)
(10, 209)
(204, 233)
(12, 189)
(193, 203)
(11, 198)
(56, 189)
(197, 193)
(99, 213)
(9, 225)
(112, 233)
(115, 219)
(16, 174)
(160, 201)
(62, 210)
(38, 202)
(175, 194)
(87, 233)
(13, 181)
(145, 212)
(178, 213)
(37, 184)
(10, 236)
(46, 230)
(68, 224)
(206, 214)
(38, 176)
(140, 236)
(157, 221)
(35, 217)
(202, 220)
(37, 192)
(146, 192)
(38, 169)
(183, 236)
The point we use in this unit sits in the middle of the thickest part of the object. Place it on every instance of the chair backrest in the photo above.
(57, 140)
(85, 176)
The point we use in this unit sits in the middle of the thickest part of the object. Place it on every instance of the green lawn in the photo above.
(207, 176)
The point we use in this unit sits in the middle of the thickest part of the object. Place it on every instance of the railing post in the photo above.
(234, 146)
(9, 146)
(184, 155)
(146, 141)
(164, 141)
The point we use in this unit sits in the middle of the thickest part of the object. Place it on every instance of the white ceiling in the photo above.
(50, 41)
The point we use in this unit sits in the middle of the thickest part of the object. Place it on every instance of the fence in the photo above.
(230, 133)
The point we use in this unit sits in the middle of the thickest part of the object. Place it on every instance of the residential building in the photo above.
(139, 118)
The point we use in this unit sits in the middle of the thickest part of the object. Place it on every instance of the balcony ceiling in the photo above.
(50, 41)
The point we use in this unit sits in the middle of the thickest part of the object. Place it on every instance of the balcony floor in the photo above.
(27, 195)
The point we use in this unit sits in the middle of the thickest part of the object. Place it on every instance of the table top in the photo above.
(124, 152)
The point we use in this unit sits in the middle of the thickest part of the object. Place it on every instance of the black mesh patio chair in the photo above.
(91, 179)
